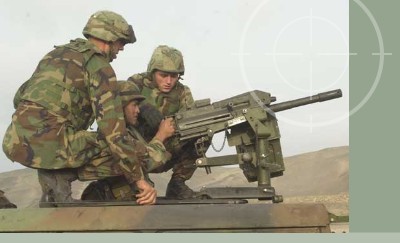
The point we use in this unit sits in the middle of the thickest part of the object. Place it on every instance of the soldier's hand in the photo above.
(166, 129)
(151, 116)
(147, 194)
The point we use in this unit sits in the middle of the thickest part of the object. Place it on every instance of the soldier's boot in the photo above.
(56, 186)
(110, 189)
(4, 202)
(177, 189)
(98, 191)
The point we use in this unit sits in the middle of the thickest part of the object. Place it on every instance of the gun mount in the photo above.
(250, 124)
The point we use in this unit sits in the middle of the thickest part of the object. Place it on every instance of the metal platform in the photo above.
(223, 217)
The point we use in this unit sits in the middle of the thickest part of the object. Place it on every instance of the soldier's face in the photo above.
(165, 81)
(131, 112)
(115, 47)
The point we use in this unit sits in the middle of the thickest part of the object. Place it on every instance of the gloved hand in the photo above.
(150, 116)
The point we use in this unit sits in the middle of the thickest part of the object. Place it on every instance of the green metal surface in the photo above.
(170, 218)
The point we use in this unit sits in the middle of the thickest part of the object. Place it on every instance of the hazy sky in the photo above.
(289, 48)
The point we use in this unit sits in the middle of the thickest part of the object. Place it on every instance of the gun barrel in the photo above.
(321, 97)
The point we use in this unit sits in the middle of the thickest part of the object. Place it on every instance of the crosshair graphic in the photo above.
(311, 89)
(309, 53)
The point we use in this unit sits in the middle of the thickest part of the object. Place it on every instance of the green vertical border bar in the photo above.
(374, 125)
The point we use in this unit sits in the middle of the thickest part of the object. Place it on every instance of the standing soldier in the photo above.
(162, 89)
(72, 86)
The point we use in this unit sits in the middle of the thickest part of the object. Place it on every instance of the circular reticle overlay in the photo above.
(310, 55)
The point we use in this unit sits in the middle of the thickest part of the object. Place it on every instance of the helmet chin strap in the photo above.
(102, 45)
(110, 55)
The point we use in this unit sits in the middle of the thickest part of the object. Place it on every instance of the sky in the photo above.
(289, 48)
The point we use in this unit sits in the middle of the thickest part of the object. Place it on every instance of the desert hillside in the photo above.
(320, 176)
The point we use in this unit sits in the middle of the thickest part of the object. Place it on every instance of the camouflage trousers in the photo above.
(182, 164)
(41, 139)
(182, 161)
(109, 189)
(183, 154)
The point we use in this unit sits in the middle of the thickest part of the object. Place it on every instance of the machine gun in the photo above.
(250, 124)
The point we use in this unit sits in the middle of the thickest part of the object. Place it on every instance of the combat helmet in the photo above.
(110, 27)
(167, 59)
(128, 91)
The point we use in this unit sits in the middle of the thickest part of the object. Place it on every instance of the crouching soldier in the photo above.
(153, 157)
(162, 87)
(73, 85)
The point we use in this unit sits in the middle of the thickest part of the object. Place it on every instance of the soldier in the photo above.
(163, 90)
(155, 156)
(72, 86)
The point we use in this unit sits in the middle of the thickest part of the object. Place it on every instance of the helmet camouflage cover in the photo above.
(110, 27)
(129, 91)
(167, 59)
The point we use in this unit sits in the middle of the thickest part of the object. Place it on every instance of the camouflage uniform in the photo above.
(150, 155)
(71, 87)
(110, 185)
(153, 156)
(169, 59)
